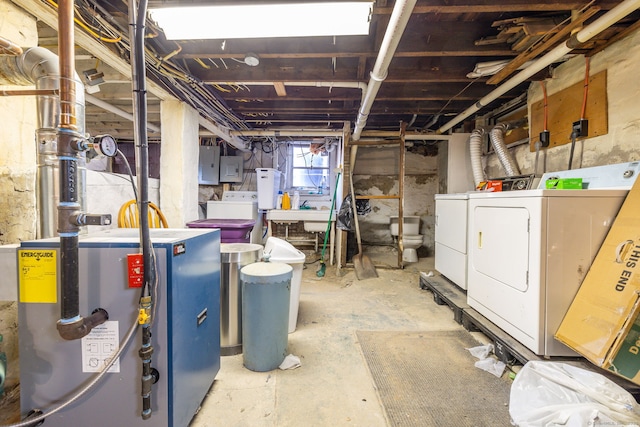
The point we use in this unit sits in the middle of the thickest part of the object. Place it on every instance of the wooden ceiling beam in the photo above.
(491, 6)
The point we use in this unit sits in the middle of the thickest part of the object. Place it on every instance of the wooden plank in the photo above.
(445, 292)
(377, 196)
(565, 107)
(501, 338)
(535, 51)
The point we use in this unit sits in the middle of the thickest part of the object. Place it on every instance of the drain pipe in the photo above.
(397, 23)
(475, 150)
(497, 140)
(588, 32)
(71, 325)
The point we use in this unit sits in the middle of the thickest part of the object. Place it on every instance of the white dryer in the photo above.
(529, 252)
(451, 237)
(238, 205)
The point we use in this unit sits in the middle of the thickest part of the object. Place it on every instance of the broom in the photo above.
(323, 266)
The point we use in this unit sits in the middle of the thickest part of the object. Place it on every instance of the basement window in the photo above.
(310, 167)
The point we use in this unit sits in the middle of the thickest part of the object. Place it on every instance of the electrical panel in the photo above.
(209, 165)
(231, 168)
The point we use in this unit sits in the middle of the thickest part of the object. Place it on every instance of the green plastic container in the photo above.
(564, 184)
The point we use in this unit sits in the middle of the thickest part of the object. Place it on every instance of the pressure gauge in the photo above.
(106, 145)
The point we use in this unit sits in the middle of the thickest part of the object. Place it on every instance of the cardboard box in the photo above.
(491, 185)
(564, 184)
(602, 322)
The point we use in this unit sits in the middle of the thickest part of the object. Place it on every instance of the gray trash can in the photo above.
(266, 288)
(233, 257)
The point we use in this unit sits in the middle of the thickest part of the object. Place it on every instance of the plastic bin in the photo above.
(231, 230)
(265, 307)
(268, 183)
(282, 251)
(233, 257)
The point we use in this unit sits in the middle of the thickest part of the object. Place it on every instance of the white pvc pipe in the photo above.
(224, 134)
(397, 23)
(287, 132)
(597, 26)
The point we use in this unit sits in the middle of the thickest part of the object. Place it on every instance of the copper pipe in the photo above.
(66, 56)
(9, 48)
(29, 92)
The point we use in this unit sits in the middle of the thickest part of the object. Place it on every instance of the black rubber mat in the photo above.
(429, 379)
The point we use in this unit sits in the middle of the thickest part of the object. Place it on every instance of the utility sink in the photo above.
(315, 220)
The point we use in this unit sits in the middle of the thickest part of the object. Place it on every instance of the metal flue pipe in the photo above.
(41, 67)
(597, 26)
(71, 325)
(397, 23)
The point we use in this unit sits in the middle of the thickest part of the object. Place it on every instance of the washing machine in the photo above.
(238, 205)
(451, 237)
(528, 251)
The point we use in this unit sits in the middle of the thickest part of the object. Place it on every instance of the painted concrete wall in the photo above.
(17, 140)
(621, 143)
(178, 163)
(376, 173)
(106, 192)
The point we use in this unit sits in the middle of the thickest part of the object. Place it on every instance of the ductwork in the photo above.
(61, 146)
(475, 150)
(497, 141)
(41, 67)
(605, 21)
(397, 23)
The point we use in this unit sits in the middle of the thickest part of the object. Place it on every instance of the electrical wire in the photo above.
(545, 103)
(586, 87)
(128, 167)
(87, 29)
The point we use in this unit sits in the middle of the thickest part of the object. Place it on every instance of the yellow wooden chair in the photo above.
(128, 216)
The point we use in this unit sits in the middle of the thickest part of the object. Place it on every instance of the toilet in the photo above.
(411, 237)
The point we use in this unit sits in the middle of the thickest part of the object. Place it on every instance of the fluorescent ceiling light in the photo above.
(264, 20)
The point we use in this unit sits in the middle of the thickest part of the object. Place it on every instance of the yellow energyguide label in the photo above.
(37, 275)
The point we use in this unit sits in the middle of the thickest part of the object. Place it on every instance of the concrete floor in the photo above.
(333, 387)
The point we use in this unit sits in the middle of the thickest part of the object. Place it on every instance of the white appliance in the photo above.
(268, 183)
(528, 251)
(238, 205)
(451, 237)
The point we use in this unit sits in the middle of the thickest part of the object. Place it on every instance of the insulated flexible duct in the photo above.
(475, 150)
(497, 141)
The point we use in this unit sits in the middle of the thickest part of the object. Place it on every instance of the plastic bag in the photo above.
(344, 220)
(482, 351)
(558, 394)
(363, 207)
